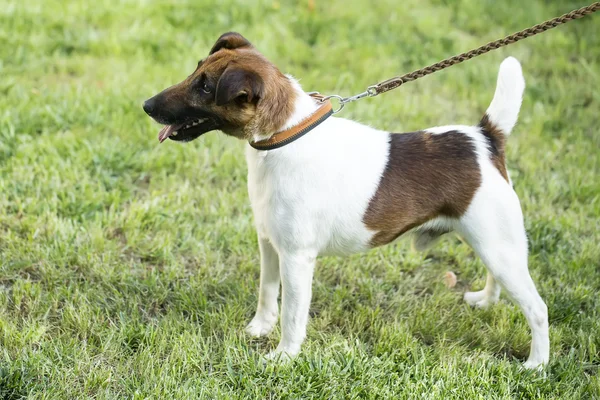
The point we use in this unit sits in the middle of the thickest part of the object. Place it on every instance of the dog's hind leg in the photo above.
(486, 297)
(493, 226)
(425, 238)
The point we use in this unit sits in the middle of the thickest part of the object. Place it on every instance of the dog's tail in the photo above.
(501, 116)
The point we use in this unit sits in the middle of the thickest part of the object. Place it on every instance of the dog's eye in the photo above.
(205, 88)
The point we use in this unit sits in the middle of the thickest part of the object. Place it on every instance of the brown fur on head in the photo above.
(235, 89)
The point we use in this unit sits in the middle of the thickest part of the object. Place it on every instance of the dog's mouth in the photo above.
(187, 131)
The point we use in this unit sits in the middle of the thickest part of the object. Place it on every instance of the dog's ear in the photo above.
(230, 40)
(236, 82)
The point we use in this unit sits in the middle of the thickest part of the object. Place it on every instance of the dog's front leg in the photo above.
(296, 270)
(266, 313)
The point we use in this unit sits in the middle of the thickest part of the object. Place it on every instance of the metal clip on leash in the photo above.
(370, 92)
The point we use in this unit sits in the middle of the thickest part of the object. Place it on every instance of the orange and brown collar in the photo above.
(287, 136)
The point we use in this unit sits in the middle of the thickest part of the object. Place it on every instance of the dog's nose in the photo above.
(149, 106)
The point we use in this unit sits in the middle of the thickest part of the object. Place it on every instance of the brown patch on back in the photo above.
(427, 175)
(496, 144)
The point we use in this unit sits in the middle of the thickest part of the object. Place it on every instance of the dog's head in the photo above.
(235, 89)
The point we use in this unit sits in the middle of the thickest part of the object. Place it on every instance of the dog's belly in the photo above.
(304, 217)
(298, 224)
(324, 238)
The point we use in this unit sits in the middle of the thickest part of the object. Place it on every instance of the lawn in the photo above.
(129, 269)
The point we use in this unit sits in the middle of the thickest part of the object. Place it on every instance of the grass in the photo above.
(129, 269)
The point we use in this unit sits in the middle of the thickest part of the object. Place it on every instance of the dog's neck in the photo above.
(304, 106)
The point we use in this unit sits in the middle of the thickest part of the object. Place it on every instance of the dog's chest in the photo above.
(313, 194)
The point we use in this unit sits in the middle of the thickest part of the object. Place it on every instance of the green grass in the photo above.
(129, 269)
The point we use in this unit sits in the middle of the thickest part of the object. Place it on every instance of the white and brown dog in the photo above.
(321, 185)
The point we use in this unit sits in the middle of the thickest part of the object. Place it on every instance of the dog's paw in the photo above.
(261, 325)
(281, 355)
(478, 299)
(535, 365)
(277, 357)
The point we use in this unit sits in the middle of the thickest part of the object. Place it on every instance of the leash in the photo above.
(393, 83)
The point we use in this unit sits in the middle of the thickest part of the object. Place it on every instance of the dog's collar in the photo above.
(287, 136)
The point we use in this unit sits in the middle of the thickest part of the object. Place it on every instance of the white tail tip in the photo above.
(504, 109)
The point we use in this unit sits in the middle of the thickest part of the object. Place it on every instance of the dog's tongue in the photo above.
(165, 132)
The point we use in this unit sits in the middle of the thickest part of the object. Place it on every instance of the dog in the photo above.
(322, 185)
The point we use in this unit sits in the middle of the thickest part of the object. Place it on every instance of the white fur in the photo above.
(505, 106)
(309, 198)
